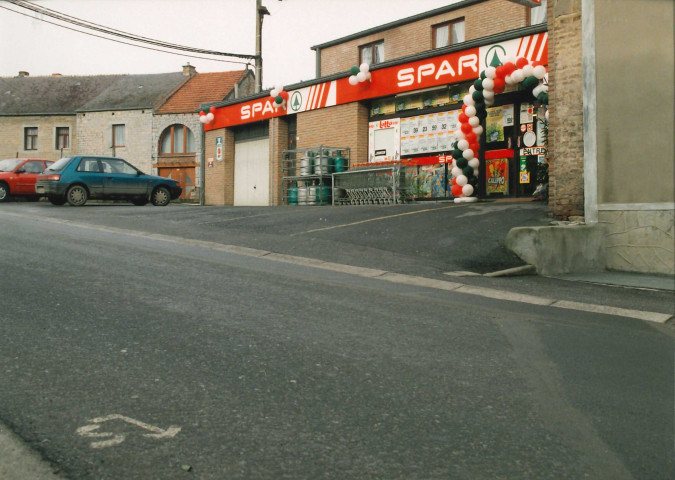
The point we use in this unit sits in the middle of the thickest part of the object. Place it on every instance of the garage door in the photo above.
(251, 173)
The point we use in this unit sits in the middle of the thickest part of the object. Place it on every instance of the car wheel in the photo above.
(139, 202)
(161, 197)
(4, 192)
(77, 195)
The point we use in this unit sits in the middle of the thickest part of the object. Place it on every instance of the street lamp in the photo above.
(260, 12)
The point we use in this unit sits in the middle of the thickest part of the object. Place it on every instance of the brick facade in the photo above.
(481, 19)
(566, 109)
(219, 176)
(12, 136)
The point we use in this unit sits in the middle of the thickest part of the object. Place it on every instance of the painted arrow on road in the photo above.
(112, 439)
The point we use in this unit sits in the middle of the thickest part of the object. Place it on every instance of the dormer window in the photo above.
(372, 53)
(448, 33)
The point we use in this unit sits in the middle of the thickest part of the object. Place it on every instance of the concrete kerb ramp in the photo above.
(560, 249)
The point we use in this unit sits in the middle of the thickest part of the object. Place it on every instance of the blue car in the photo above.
(78, 179)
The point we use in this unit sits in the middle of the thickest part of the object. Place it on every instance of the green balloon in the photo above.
(279, 99)
(543, 98)
(462, 162)
(456, 153)
(478, 84)
(480, 107)
(477, 96)
(482, 75)
(530, 82)
(355, 70)
(468, 171)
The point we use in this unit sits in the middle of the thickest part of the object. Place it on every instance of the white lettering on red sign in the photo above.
(257, 109)
(409, 76)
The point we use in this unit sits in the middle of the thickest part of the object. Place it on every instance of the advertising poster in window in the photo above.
(494, 125)
(384, 140)
(497, 176)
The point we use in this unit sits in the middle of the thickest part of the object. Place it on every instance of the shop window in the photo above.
(30, 138)
(372, 53)
(62, 137)
(448, 33)
(118, 136)
(538, 14)
(177, 139)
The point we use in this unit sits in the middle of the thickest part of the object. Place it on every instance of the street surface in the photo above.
(148, 343)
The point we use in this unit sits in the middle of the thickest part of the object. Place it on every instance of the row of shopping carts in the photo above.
(370, 186)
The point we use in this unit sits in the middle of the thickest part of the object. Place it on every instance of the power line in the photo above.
(113, 32)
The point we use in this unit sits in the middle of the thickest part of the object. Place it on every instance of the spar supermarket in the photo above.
(384, 130)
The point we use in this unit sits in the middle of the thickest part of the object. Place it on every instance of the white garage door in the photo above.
(251, 173)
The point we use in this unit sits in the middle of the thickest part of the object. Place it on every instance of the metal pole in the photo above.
(202, 171)
(258, 45)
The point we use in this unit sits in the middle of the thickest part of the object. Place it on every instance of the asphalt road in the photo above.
(246, 367)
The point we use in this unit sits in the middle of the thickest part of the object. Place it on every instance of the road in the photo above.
(130, 351)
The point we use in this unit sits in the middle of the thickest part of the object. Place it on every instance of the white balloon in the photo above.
(468, 154)
(353, 80)
(517, 76)
(203, 119)
(280, 88)
(546, 115)
(456, 172)
(209, 117)
(537, 90)
(528, 70)
(470, 111)
(509, 59)
(488, 84)
(467, 189)
(488, 95)
(544, 88)
(474, 163)
(474, 121)
(468, 100)
(462, 180)
(472, 89)
(459, 135)
(361, 77)
(539, 71)
(478, 130)
(490, 72)
(475, 172)
(274, 92)
(364, 67)
(489, 102)
(463, 144)
(508, 80)
(368, 76)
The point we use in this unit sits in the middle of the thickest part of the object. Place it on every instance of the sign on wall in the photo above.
(384, 140)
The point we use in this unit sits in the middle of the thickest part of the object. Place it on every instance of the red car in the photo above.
(18, 176)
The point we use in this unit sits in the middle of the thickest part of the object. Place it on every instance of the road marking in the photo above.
(370, 272)
(91, 431)
(376, 219)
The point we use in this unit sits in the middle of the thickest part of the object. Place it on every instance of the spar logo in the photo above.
(437, 69)
(296, 101)
(494, 56)
(258, 109)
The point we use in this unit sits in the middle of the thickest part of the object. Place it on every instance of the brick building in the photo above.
(421, 67)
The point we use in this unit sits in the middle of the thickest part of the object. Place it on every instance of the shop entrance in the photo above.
(515, 148)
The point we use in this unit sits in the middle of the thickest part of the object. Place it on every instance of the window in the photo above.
(538, 14)
(33, 167)
(372, 53)
(118, 139)
(62, 137)
(30, 138)
(177, 139)
(448, 33)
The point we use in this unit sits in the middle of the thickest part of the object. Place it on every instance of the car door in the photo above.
(26, 175)
(122, 179)
(90, 173)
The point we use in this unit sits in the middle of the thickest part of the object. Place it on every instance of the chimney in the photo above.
(189, 70)
(56, 75)
(23, 73)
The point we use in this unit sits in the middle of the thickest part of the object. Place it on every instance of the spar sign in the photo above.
(431, 72)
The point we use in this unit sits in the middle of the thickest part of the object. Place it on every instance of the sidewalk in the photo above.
(19, 462)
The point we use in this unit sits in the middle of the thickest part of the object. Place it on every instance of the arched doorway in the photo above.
(177, 158)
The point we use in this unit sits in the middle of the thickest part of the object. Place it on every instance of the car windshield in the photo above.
(10, 164)
(58, 166)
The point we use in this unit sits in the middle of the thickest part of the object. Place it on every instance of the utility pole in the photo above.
(260, 12)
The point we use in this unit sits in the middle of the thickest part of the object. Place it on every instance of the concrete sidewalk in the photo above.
(19, 462)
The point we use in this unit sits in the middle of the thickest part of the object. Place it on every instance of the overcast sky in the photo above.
(294, 26)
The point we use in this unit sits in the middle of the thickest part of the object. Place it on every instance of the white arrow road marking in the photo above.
(90, 431)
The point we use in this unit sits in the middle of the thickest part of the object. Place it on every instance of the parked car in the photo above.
(80, 178)
(18, 176)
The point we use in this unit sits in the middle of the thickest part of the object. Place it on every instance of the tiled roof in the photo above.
(201, 88)
(66, 95)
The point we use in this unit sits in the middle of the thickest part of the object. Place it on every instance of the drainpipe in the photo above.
(202, 170)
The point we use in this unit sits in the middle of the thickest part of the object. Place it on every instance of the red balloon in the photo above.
(284, 94)
(500, 72)
(463, 117)
(202, 113)
(509, 68)
(471, 136)
(212, 110)
(500, 84)
(456, 191)
(521, 62)
(467, 129)
(464, 107)
(454, 181)
(475, 147)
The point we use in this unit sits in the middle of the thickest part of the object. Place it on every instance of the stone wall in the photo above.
(12, 136)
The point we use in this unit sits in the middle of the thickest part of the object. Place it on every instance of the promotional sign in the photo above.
(497, 179)
(384, 140)
(432, 72)
(219, 149)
